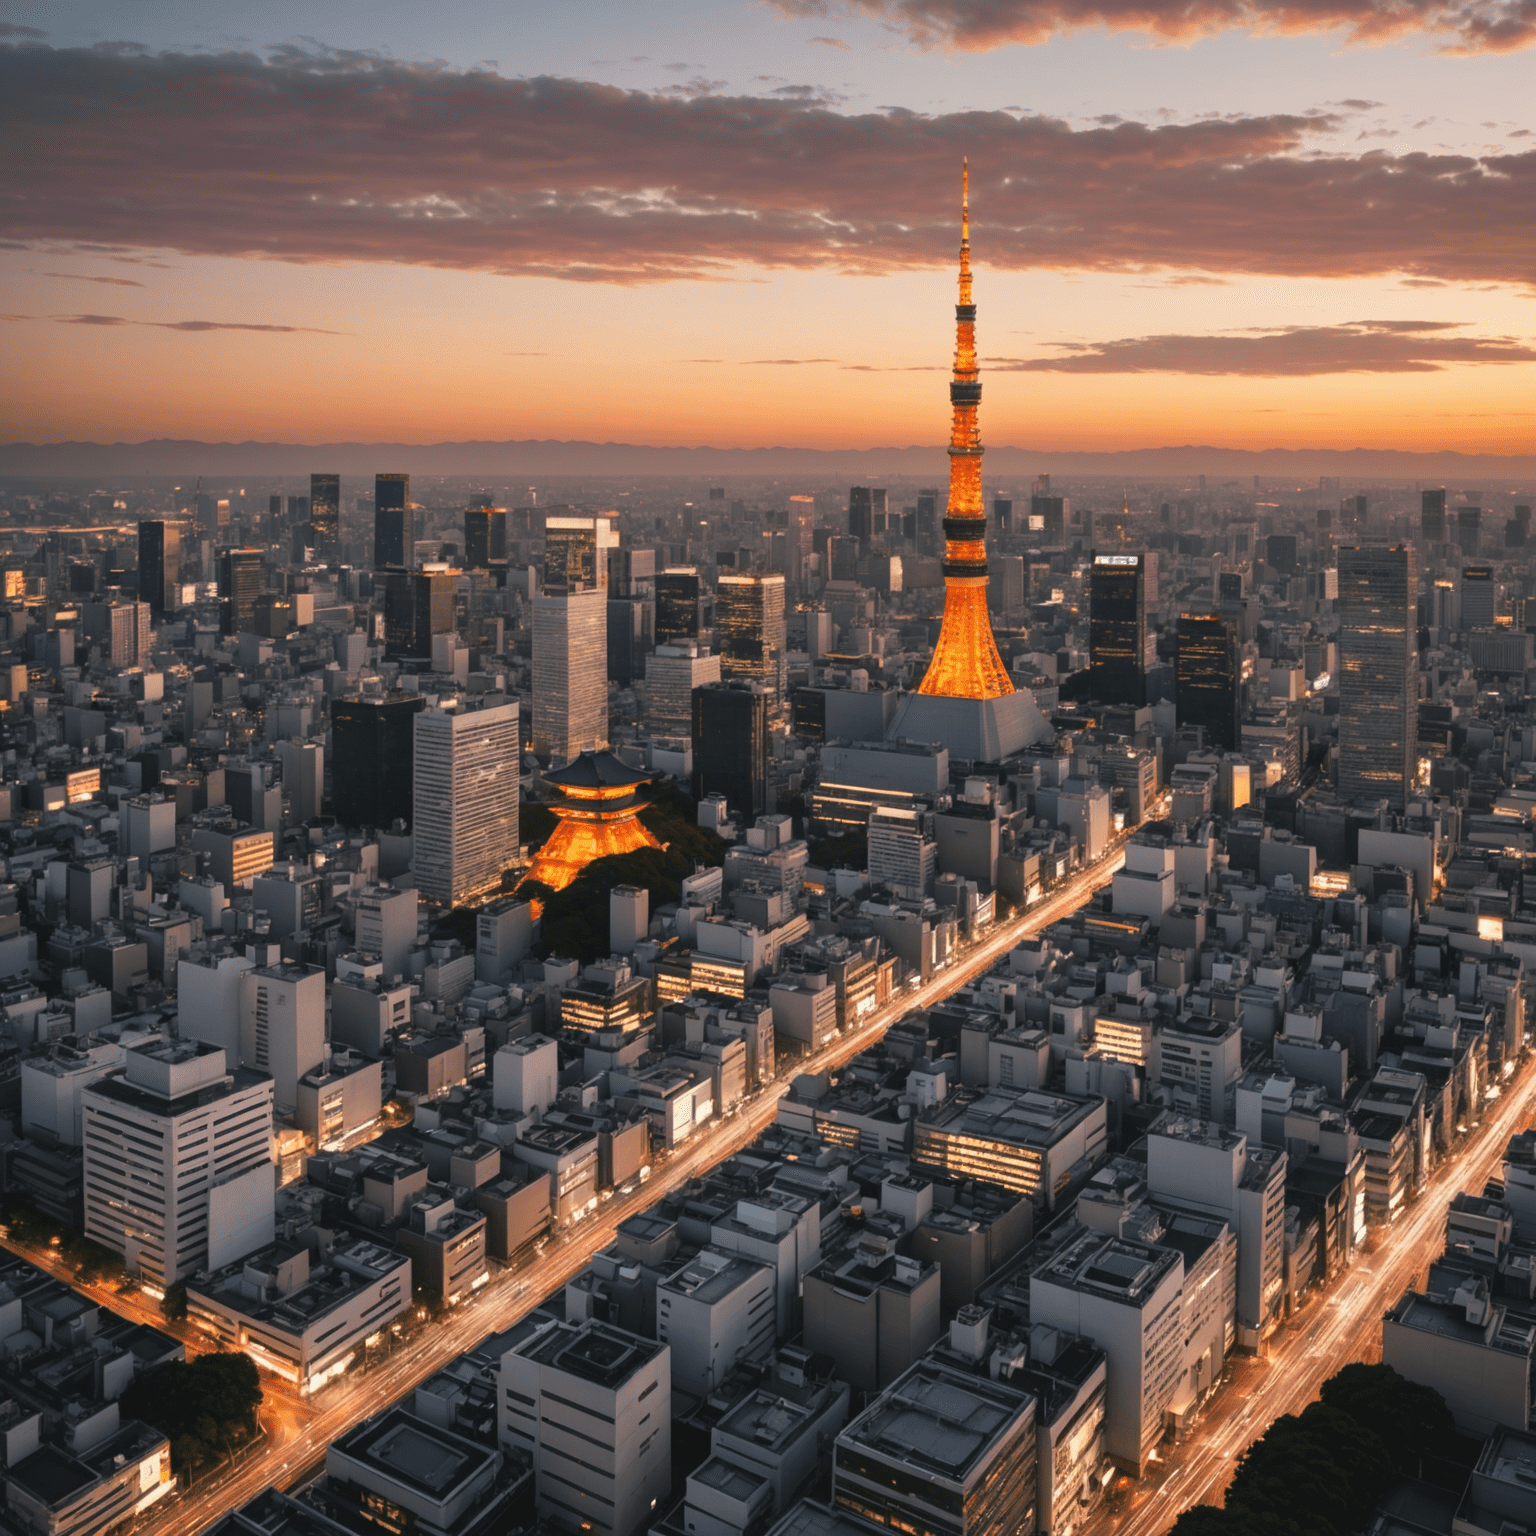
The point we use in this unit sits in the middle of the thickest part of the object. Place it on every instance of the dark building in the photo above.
(632, 573)
(1378, 667)
(241, 581)
(1117, 629)
(1207, 678)
(1517, 530)
(861, 515)
(393, 533)
(630, 622)
(1469, 528)
(1432, 516)
(678, 598)
(1280, 553)
(373, 759)
(1052, 512)
(1229, 586)
(1002, 514)
(417, 605)
(159, 566)
(927, 522)
(485, 537)
(730, 746)
(325, 515)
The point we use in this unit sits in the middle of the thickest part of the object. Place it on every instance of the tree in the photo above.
(205, 1408)
(173, 1305)
(1402, 1412)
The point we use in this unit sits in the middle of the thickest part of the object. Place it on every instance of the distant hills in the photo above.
(183, 458)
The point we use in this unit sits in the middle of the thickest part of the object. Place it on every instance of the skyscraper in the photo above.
(373, 759)
(1206, 678)
(861, 523)
(677, 604)
(485, 537)
(393, 530)
(1432, 516)
(730, 746)
(159, 566)
(418, 605)
(325, 515)
(1117, 629)
(241, 582)
(570, 640)
(1477, 597)
(1378, 664)
(927, 522)
(1469, 529)
(750, 631)
(466, 810)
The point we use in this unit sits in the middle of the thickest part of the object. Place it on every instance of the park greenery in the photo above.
(29, 1228)
(206, 1408)
(1322, 1472)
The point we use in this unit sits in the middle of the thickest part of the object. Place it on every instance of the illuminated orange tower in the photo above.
(965, 664)
(599, 814)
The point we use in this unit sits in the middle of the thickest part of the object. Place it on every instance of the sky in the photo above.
(1249, 223)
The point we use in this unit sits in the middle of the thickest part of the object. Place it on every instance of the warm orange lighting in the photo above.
(966, 663)
(576, 842)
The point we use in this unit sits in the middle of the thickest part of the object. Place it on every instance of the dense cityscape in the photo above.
(767, 1008)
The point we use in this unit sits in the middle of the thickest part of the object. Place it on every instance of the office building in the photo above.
(632, 573)
(325, 516)
(861, 520)
(282, 1027)
(750, 631)
(629, 636)
(672, 672)
(99, 1472)
(1432, 516)
(466, 801)
(1127, 1296)
(570, 640)
(902, 856)
(873, 1311)
(1117, 629)
(303, 778)
(1469, 530)
(373, 759)
(1048, 517)
(714, 1313)
(417, 606)
(503, 936)
(592, 1405)
(1040, 1144)
(1478, 604)
(178, 1161)
(679, 604)
(1208, 679)
(160, 567)
(485, 537)
(241, 582)
(941, 1450)
(730, 746)
(1378, 664)
(393, 529)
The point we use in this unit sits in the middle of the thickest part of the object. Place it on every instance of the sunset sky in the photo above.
(1306, 223)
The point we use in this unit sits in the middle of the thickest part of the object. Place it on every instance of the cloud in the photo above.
(11, 29)
(86, 277)
(196, 325)
(1467, 26)
(833, 42)
(1366, 346)
(324, 158)
(784, 362)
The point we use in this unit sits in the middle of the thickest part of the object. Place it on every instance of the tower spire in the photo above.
(966, 663)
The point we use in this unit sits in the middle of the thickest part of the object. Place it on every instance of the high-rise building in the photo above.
(418, 605)
(1117, 629)
(466, 801)
(241, 581)
(678, 604)
(178, 1162)
(629, 636)
(1477, 597)
(631, 573)
(1002, 514)
(325, 515)
(282, 1027)
(1378, 665)
(1469, 529)
(373, 757)
(570, 640)
(393, 528)
(672, 672)
(1432, 516)
(928, 522)
(485, 537)
(750, 631)
(1207, 678)
(159, 566)
(861, 522)
(1048, 517)
(730, 746)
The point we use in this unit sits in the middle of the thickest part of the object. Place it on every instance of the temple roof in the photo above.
(596, 770)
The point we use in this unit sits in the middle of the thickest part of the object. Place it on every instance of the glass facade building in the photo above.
(1207, 679)
(1117, 629)
(325, 515)
(393, 531)
(1378, 665)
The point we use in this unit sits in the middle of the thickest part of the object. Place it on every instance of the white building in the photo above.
(149, 825)
(466, 800)
(525, 1075)
(1146, 885)
(713, 1313)
(303, 778)
(570, 639)
(592, 1405)
(52, 1087)
(282, 1027)
(901, 855)
(386, 921)
(503, 934)
(178, 1160)
(672, 672)
(208, 1000)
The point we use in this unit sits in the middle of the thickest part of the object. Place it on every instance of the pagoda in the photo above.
(598, 806)
(966, 699)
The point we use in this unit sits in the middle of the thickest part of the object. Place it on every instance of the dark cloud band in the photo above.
(341, 159)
